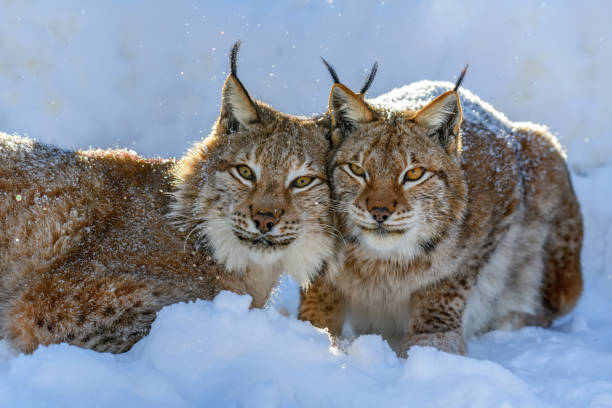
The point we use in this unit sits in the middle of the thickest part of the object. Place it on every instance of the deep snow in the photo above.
(147, 76)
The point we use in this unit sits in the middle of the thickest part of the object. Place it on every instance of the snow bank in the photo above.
(221, 354)
(148, 76)
(595, 195)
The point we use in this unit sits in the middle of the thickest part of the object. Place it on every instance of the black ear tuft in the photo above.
(234, 58)
(369, 79)
(461, 75)
(236, 103)
(332, 71)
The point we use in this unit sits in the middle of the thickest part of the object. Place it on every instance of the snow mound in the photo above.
(221, 353)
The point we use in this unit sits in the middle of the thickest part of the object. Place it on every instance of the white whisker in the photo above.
(198, 226)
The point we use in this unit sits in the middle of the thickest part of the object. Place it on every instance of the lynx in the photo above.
(453, 225)
(94, 243)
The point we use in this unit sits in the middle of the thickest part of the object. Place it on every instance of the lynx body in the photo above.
(94, 243)
(449, 233)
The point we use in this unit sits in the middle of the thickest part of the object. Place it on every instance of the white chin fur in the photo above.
(401, 245)
(301, 259)
(384, 243)
(263, 257)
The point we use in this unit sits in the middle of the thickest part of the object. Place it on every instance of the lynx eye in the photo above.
(245, 172)
(414, 174)
(302, 182)
(357, 170)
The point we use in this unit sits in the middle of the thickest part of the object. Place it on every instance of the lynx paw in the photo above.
(449, 342)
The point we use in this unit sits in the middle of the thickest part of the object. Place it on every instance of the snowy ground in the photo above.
(147, 76)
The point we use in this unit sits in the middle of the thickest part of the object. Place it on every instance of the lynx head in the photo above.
(395, 177)
(255, 192)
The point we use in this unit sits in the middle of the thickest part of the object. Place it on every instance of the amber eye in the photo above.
(357, 170)
(414, 174)
(302, 182)
(245, 172)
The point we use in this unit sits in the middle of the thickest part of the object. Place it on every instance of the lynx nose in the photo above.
(380, 214)
(264, 220)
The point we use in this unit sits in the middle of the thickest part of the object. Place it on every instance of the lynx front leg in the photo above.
(449, 342)
(323, 306)
(436, 317)
(103, 313)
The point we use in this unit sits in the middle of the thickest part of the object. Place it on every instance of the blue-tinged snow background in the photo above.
(147, 76)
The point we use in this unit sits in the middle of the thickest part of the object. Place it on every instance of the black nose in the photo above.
(380, 214)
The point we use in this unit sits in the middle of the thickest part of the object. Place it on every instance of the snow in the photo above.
(147, 76)
(221, 354)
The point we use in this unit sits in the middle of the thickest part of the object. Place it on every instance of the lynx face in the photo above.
(395, 178)
(270, 194)
(266, 197)
(255, 191)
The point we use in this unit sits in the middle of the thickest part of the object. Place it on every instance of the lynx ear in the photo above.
(236, 104)
(348, 110)
(442, 119)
